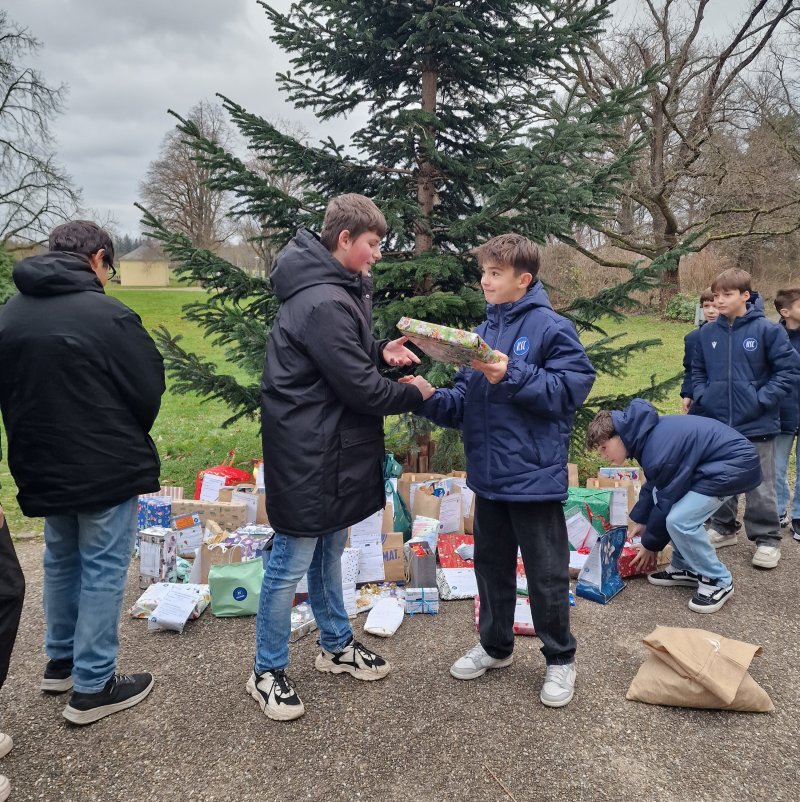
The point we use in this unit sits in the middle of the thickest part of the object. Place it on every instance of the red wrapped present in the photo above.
(447, 545)
(233, 476)
(629, 551)
(523, 621)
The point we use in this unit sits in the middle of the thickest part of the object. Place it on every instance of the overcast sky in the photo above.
(127, 61)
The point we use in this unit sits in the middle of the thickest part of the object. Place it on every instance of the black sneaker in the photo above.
(674, 577)
(355, 659)
(784, 520)
(275, 694)
(710, 596)
(57, 676)
(121, 692)
(796, 528)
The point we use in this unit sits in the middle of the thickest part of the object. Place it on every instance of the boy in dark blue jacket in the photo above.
(744, 368)
(690, 343)
(516, 416)
(693, 465)
(787, 302)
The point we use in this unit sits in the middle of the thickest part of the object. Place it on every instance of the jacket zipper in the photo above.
(730, 375)
(486, 407)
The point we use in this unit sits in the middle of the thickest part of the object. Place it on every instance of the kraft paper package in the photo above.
(696, 668)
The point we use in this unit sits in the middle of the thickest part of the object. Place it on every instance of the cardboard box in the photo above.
(572, 475)
(228, 515)
(630, 486)
(422, 600)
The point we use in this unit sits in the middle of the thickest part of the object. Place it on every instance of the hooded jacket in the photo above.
(80, 388)
(690, 344)
(742, 371)
(322, 397)
(790, 406)
(679, 453)
(516, 432)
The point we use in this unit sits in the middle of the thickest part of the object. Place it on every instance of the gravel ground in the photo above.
(418, 735)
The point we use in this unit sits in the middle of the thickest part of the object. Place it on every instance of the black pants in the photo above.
(539, 529)
(12, 592)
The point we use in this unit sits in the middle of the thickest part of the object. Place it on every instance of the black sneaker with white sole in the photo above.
(275, 694)
(784, 522)
(674, 577)
(57, 676)
(355, 659)
(710, 596)
(120, 692)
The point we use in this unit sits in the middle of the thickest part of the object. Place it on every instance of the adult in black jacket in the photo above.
(322, 407)
(81, 387)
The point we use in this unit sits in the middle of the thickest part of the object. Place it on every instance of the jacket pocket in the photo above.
(360, 459)
(746, 406)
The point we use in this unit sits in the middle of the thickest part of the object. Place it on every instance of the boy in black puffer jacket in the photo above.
(743, 370)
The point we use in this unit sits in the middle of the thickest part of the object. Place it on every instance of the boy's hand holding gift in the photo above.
(494, 371)
(644, 558)
(396, 354)
(421, 383)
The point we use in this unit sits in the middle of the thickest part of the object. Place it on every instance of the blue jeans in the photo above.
(783, 450)
(290, 558)
(691, 548)
(86, 560)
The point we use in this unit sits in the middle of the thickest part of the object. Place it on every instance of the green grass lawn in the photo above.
(188, 432)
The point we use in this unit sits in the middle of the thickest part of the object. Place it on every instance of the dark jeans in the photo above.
(12, 592)
(540, 532)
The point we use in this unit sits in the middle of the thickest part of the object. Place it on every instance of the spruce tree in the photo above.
(468, 137)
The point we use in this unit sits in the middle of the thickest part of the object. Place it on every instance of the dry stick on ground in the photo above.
(500, 783)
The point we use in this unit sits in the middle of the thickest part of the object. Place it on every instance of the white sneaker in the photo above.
(5, 788)
(355, 659)
(6, 744)
(275, 694)
(718, 540)
(559, 685)
(475, 663)
(766, 556)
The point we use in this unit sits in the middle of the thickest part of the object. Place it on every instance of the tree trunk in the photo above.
(426, 175)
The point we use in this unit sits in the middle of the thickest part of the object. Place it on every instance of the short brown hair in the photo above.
(600, 430)
(353, 213)
(510, 249)
(706, 296)
(84, 237)
(785, 298)
(734, 278)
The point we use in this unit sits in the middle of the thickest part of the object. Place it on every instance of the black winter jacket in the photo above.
(322, 397)
(80, 387)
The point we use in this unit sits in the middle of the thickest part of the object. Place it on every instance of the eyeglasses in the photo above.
(112, 271)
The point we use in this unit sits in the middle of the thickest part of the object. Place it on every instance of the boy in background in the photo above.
(322, 405)
(693, 465)
(787, 302)
(742, 370)
(516, 416)
(690, 342)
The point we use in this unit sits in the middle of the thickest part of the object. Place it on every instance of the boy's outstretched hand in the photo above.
(494, 371)
(396, 354)
(421, 383)
(644, 558)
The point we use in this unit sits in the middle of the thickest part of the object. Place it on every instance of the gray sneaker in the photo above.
(559, 685)
(475, 663)
(720, 539)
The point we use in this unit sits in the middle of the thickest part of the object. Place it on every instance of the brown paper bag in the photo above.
(210, 556)
(407, 479)
(696, 668)
(431, 507)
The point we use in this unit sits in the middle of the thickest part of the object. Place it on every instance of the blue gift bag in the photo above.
(599, 579)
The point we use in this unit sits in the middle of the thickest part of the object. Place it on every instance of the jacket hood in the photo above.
(754, 310)
(55, 273)
(634, 425)
(306, 262)
(535, 296)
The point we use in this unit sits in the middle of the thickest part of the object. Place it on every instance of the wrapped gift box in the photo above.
(447, 545)
(422, 600)
(594, 503)
(456, 583)
(147, 603)
(154, 511)
(446, 344)
(523, 621)
(158, 553)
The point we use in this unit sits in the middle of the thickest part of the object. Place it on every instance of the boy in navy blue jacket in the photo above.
(787, 302)
(742, 371)
(693, 465)
(516, 416)
(690, 343)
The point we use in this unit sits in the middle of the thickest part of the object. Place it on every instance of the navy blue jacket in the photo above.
(679, 453)
(690, 344)
(743, 371)
(790, 408)
(516, 432)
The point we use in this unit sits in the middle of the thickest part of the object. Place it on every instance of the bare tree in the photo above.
(176, 189)
(692, 122)
(35, 191)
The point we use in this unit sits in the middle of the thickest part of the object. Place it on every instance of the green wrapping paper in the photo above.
(446, 344)
(594, 503)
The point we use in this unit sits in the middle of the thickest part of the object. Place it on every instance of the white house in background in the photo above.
(147, 266)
